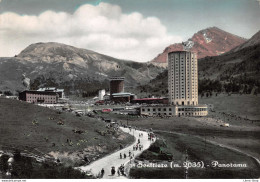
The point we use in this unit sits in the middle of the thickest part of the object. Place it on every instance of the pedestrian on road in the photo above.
(131, 157)
(118, 171)
(102, 172)
(129, 153)
(133, 148)
(124, 155)
(120, 156)
(113, 171)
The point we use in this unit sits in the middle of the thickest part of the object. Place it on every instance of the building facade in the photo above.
(167, 110)
(182, 88)
(116, 85)
(45, 97)
(158, 110)
(122, 97)
(183, 78)
(53, 89)
(150, 101)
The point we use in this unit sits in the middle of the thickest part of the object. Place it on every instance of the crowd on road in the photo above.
(136, 147)
(117, 165)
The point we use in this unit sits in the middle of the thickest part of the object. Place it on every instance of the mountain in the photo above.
(77, 70)
(235, 71)
(208, 42)
(240, 61)
(255, 40)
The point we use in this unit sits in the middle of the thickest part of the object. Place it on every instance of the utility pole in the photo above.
(187, 166)
(204, 141)
(85, 108)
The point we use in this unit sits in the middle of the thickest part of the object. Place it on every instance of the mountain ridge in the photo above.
(207, 42)
(76, 69)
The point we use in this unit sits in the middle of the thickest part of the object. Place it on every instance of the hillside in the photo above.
(255, 40)
(208, 42)
(77, 70)
(38, 132)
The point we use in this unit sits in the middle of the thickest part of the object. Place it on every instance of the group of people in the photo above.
(141, 135)
(151, 136)
(136, 147)
(121, 157)
(124, 155)
(121, 170)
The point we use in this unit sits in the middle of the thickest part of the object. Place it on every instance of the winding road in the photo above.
(114, 159)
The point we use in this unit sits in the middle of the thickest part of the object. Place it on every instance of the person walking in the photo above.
(118, 171)
(120, 156)
(113, 171)
(102, 172)
(131, 157)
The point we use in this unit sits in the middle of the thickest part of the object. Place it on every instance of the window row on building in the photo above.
(174, 110)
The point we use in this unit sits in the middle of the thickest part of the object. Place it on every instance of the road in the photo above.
(114, 159)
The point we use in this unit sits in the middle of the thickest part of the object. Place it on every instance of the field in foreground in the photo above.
(180, 146)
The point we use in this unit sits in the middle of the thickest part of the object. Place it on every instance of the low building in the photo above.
(34, 96)
(150, 101)
(158, 110)
(53, 89)
(170, 110)
(106, 97)
(122, 97)
(188, 110)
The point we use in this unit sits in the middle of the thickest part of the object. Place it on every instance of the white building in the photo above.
(101, 94)
(182, 87)
(183, 78)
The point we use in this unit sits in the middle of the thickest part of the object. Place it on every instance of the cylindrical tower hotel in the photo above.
(116, 85)
(183, 78)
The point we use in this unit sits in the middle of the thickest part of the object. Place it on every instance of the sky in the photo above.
(127, 29)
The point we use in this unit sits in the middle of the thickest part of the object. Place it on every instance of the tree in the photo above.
(17, 155)
(3, 163)
(8, 93)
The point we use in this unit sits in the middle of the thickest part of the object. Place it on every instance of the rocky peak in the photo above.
(207, 42)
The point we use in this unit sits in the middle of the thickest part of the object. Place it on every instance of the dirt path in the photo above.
(114, 159)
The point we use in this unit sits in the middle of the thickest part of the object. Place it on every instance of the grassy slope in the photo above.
(241, 105)
(18, 131)
(197, 150)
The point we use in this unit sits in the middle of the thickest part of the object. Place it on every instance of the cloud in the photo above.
(103, 28)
